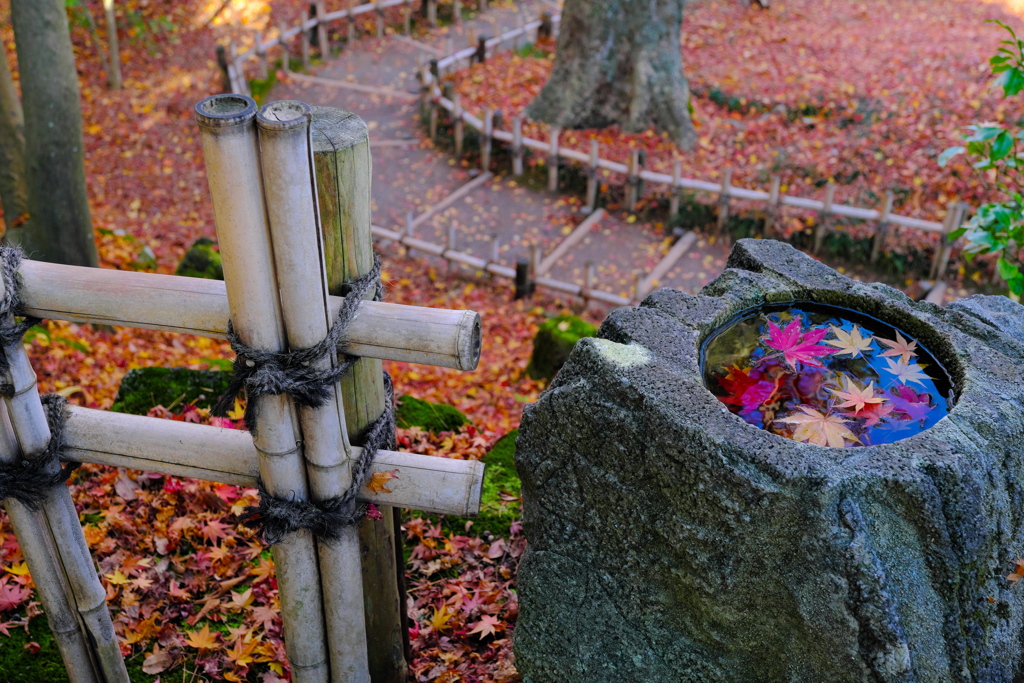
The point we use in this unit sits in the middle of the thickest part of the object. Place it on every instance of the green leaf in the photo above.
(1011, 81)
(1002, 145)
(998, 59)
(949, 154)
(1007, 270)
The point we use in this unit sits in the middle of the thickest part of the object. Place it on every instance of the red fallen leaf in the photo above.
(913, 405)
(796, 348)
(757, 394)
(873, 412)
(33, 648)
(11, 594)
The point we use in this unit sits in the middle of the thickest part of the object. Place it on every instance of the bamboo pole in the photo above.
(488, 133)
(556, 131)
(677, 173)
(823, 218)
(290, 190)
(321, 29)
(517, 146)
(460, 125)
(52, 585)
(28, 419)
(343, 171)
(882, 229)
(233, 172)
(723, 202)
(592, 174)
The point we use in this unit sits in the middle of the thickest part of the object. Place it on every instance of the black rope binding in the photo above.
(27, 480)
(292, 373)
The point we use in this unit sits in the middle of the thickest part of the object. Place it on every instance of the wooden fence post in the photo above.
(456, 11)
(546, 28)
(556, 131)
(232, 159)
(882, 229)
(342, 159)
(407, 21)
(485, 142)
(459, 124)
(633, 180)
(483, 5)
(723, 202)
(944, 250)
(380, 19)
(481, 50)
(589, 278)
(772, 213)
(351, 27)
(261, 55)
(286, 59)
(517, 146)
(432, 13)
(823, 218)
(304, 39)
(673, 202)
(321, 29)
(592, 169)
(225, 75)
(495, 251)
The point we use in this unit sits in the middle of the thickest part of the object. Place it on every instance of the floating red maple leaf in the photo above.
(797, 348)
(913, 405)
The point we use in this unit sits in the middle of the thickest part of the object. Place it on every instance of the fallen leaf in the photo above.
(821, 430)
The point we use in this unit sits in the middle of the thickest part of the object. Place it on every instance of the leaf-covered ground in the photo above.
(863, 94)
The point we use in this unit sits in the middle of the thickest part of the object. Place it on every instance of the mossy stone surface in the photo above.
(144, 388)
(554, 342)
(201, 260)
(501, 483)
(432, 417)
(670, 541)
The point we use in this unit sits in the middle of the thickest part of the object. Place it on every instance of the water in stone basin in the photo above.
(825, 375)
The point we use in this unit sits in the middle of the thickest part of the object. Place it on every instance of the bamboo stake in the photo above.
(592, 174)
(723, 202)
(677, 173)
(321, 30)
(823, 218)
(882, 229)
(553, 159)
(343, 169)
(517, 146)
(28, 419)
(261, 55)
(52, 586)
(460, 125)
(292, 211)
(485, 151)
(233, 171)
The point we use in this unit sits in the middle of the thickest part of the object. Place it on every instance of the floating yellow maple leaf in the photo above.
(856, 397)
(852, 342)
(901, 347)
(821, 430)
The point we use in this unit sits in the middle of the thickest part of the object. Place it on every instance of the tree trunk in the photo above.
(13, 191)
(618, 62)
(60, 230)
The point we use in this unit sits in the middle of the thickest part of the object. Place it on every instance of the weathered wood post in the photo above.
(459, 124)
(228, 125)
(486, 141)
(944, 249)
(675, 190)
(350, 27)
(407, 20)
(882, 229)
(481, 50)
(432, 13)
(772, 213)
(319, 10)
(547, 26)
(261, 55)
(524, 284)
(379, 18)
(305, 37)
(517, 146)
(343, 162)
(723, 203)
(633, 180)
(556, 131)
(456, 11)
(283, 44)
(226, 84)
(823, 218)
(483, 5)
(592, 181)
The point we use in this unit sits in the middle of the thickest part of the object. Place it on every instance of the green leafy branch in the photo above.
(998, 228)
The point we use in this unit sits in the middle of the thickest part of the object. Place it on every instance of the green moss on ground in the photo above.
(500, 504)
(201, 260)
(554, 342)
(433, 417)
(144, 388)
(18, 665)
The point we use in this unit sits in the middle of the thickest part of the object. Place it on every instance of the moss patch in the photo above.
(433, 417)
(500, 504)
(144, 388)
(554, 342)
(201, 260)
